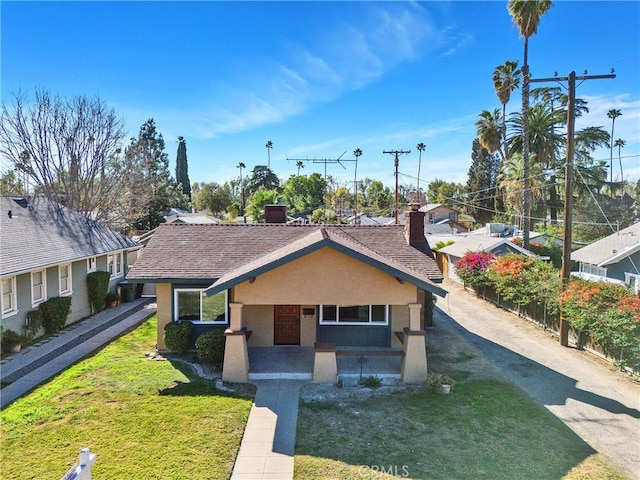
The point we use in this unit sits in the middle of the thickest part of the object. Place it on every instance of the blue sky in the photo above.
(319, 79)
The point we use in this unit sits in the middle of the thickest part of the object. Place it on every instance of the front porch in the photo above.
(293, 362)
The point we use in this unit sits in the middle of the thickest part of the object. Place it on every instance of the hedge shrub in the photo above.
(54, 313)
(210, 347)
(98, 287)
(177, 336)
(33, 324)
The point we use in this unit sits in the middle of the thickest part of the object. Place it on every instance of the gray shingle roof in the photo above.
(42, 233)
(228, 252)
(610, 249)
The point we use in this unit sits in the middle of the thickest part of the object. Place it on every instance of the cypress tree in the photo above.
(182, 169)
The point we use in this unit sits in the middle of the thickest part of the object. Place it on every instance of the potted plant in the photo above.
(440, 383)
(11, 341)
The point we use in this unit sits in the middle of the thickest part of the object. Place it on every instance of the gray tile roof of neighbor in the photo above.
(610, 249)
(40, 233)
(227, 254)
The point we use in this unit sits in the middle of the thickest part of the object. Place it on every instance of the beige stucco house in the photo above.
(319, 286)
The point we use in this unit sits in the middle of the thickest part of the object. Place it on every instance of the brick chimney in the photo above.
(414, 227)
(275, 213)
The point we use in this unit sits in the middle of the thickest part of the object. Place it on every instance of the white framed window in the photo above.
(354, 314)
(593, 269)
(114, 265)
(194, 305)
(38, 287)
(633, 280)
(9, 298)
(92, 264)
(64, 279)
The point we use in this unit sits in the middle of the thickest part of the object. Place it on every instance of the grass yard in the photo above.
(484, 429)
(144, 419)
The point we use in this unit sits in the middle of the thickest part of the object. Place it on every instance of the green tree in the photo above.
(269, 146)
(299, 164)
(620, 143)
(526, 15)
(489, 131)
(182, 167)
(304, 194)
(506, 78)
(441, 191)
(356, 153)
(257, 202)
(380, 198)
(212, 197)
(11, 185)
(481, 190)
(149, 182)
(262, 177)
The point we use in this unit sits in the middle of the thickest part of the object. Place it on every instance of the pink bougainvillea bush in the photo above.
(472, 267)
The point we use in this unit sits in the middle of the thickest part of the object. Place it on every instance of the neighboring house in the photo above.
(322, 286)
(449, 255)
(441, 214)
(615, 258)
(47, 250)
(197, 218)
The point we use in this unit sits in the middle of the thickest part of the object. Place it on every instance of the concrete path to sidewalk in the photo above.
(268, 444)
(38, 362)
(600, 404)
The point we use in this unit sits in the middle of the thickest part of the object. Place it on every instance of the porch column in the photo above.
(236, 356)
(325, 365)
(414, 361)
(163, 312)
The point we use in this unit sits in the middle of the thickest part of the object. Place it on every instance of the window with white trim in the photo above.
(92, 264)
(64, 279)
(9, 299)
(193, 304)
(38, 287)
(114, 265)
(633, 280)
(354, 314)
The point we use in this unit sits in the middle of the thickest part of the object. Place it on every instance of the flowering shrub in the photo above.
(609, 313)
(524, 280)
(472, 267)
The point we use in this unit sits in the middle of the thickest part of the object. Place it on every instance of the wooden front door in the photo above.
(286, 325)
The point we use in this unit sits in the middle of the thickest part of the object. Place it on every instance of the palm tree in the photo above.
(506, 78)
(269, 146)
(356, 153)
(620, 143)
(421, 147)
(510, 181)
(490, 132)
(612, 114)
(299, 164)
(526, 15)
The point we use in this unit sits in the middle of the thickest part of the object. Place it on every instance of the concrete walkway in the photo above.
(269, 440)
(601, 405)
(39, 362)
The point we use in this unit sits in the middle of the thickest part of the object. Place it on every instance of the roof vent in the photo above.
(275, 213)
(10, 213)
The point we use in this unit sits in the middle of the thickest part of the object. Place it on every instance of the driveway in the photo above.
(600, 404)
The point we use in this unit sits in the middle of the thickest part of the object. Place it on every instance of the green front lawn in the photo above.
(484, 429)
(144, 419)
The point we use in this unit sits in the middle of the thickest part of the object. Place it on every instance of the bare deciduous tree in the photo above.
(68, 148)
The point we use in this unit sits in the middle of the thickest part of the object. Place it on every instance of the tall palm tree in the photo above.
(620, 143)
(356, 153)
(299, 164)
(506, 78)
(421, 147)
(489, 130)
(526, 15)
(612, 114)
(269, 146)
(510, 182)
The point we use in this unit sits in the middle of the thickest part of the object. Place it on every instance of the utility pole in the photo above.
(568, 186)
(396, 153)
